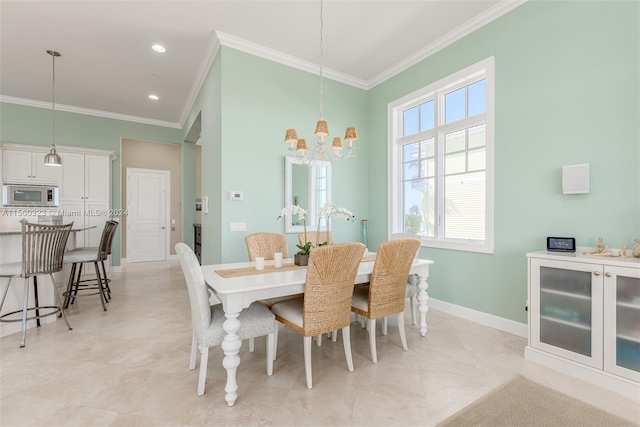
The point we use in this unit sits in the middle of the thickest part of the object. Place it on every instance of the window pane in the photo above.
(411, 121)
(429, 167)
(410, 152)
(455, 163)
(477, 98)
(465, 206)
(454, 105)
(454, 141)
(477, 159)
(427, 116)
(427, 148)
(477, 136)
(411, 170)
(419, 201)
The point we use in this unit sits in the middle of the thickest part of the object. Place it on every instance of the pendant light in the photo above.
(53, 158)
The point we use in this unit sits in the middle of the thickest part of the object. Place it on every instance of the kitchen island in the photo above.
(11, 251)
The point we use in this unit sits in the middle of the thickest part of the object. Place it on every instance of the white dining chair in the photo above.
(206, 320)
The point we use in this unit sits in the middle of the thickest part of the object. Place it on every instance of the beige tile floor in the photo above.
(129, 366)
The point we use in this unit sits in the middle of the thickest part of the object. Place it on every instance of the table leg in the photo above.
(231, 347)
(423, 299)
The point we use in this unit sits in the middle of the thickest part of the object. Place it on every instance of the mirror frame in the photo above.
(312, 218)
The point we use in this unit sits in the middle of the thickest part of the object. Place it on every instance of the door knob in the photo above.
(162, 228)
(607, 274)
(596, 273)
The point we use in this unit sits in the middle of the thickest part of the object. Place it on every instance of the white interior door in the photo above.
(147, 194)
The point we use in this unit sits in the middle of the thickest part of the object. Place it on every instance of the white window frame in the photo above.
(435, 91)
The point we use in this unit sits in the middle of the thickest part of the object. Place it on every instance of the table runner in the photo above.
(287, 266)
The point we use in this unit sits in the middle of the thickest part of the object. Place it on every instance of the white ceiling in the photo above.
(107, 64)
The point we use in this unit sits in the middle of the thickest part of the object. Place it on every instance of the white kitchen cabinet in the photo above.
(23, 166)
(584, 317)
(85, 193)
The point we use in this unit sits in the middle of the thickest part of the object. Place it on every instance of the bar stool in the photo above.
(93, 255)
(42, 253)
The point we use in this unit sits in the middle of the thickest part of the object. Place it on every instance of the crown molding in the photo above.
(289, 60)
(451, 37)
(209, 56)
(222, 39)
(88, 112)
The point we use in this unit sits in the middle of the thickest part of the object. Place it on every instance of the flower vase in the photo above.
(301, 259)
(364, 234)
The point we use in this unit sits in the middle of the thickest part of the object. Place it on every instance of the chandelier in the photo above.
(53, 158)
(322, 150)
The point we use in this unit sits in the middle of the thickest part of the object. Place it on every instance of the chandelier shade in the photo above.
(301, 145)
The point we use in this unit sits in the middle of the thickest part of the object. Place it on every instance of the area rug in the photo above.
(521, 402)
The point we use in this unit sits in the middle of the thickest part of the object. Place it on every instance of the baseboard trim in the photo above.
(500, 323)
(628, 388)
(116, 268)
(123, 261)
(172, 257)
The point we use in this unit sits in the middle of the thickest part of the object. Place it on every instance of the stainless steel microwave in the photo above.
(14, 195)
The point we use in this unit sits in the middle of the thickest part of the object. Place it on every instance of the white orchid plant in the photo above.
(292, 210)
(329, 209)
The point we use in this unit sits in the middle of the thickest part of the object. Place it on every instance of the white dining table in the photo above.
(237, 293)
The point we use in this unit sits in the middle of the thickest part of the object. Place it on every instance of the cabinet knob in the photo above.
(596, 273)
(607, 274)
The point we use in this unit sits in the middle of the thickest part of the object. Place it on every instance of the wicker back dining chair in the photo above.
(385, 294)
(326, 304)
(412, 280)
(265, 245)
(206, 320)
(316, 238)
(42, 253)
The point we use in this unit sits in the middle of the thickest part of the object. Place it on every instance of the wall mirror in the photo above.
(308, 186)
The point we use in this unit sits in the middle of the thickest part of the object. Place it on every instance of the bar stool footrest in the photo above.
(55, 309)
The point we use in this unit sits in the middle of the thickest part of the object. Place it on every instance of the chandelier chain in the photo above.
(321, 60)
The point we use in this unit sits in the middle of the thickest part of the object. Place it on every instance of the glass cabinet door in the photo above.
(567, 310)
(622, 321)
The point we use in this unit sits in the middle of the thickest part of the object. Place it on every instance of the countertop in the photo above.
(18, 232)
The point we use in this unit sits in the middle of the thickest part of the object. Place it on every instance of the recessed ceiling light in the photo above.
(158, 48)
(154, 97)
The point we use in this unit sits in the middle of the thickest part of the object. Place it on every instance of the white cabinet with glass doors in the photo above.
(586, 310)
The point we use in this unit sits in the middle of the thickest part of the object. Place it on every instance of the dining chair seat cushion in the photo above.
(360, 299)
(291, 310)
(273, 301)
(81, 256)
(85, 248)
(11, 269)
(255, 321)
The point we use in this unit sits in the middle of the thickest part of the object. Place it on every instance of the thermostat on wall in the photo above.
(236, 195)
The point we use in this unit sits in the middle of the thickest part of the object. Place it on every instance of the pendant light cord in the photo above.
(53, 96)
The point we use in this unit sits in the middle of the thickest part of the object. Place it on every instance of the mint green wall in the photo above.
(29, 125)
(188, 192)
(260, 100)
(567, 92)
(208, 104)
